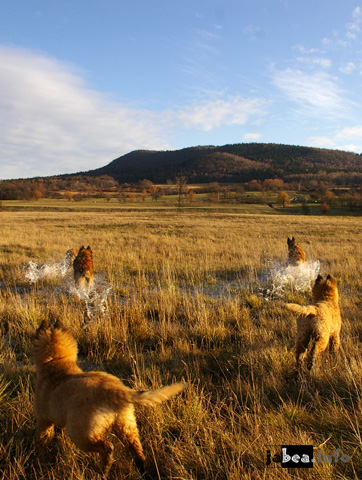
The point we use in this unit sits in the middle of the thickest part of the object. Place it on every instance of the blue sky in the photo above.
(85, 81)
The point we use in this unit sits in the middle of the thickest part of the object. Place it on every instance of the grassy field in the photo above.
(190, 296)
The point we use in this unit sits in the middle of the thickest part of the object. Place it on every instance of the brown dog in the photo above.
(83, 267)
(296, 256)
(320, 322)
(87, 404)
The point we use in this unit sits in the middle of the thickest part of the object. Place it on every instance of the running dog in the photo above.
(296, 256)
(87, 404)
(320, 322)
(83, 267)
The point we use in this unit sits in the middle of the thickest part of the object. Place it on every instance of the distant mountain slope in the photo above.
(228, 163)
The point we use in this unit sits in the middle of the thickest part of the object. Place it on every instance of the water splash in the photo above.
(95, 298)
(300, 278)
(33, 272)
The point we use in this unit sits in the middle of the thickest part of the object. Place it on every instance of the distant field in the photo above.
(194, 295)
(169, 203)
(268, 206)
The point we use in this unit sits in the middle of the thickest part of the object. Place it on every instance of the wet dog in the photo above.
(83, 267)
(320, 322)
(296, 256)
(86, 404)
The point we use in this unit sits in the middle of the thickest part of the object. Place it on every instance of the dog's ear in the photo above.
(288, 241)
(59, 325)
(319, 279)
(331, 280)
(43, 326)
(88, 248)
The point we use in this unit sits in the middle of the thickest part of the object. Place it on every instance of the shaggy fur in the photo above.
(296, 256)
(320, 322)
(83, 267)
(87, 404)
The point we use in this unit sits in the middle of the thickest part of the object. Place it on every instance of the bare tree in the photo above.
(180, 181)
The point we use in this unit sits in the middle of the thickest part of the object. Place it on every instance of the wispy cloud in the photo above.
(354, 27)
(252, 137)
(348, 68)
(315, 61)
(51, 122)
(214, 113)
(350, 133)
(253, 32)
(316, 92)
(350, 33)
(348, 138)
(50, 119)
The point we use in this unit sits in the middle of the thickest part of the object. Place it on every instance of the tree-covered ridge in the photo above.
(233, 163)
(250, 165)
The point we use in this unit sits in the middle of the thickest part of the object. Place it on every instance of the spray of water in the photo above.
(282, 279)
(94, 298)
(33, 272)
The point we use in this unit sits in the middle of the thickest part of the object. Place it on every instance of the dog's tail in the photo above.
(302, 310)
(157, 396)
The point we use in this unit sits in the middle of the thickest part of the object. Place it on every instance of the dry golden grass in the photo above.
(188, 302)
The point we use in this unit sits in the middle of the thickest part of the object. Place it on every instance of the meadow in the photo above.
(185, 295)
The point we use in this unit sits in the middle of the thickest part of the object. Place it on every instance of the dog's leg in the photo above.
(105, 450)
(319, 345)
(44, 432)
(125, 427)
(311, 357)
(334, 343)
(300, 350)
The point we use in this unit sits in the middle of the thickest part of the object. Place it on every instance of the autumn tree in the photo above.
(191, 195)
(325, 207)
(329, 197)
(145, 184)
(253, 186)
(283, 198)
(156, 193)
(144, 195)
(69, 195)
(273, 184)
(36, 193)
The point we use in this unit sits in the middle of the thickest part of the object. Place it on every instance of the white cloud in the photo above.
(306, 51)
(350, 133)
(253, 32)
(250, 137)
(348, 138)
(322, 142)
(214, 113)
(319, 61)
(316, 92)
(354, 27)
(51, 122)
(348, 68)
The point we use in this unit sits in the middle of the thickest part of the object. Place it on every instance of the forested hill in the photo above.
(229, 163)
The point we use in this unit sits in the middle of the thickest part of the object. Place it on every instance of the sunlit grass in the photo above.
(188, 301)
